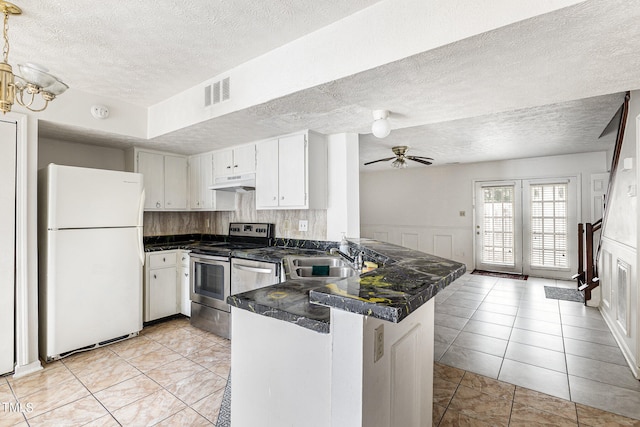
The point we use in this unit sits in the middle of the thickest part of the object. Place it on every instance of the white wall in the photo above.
(419, 207)
(343, 208)
(75, 154)
(620, 301)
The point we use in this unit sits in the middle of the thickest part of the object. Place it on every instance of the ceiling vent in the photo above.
(217, 92)
(207, 96)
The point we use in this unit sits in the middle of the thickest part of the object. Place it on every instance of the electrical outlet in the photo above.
(378, 343)
(303, 225)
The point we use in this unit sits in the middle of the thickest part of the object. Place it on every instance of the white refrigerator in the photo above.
(91, 257)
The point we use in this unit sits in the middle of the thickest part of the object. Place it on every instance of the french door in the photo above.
(527, 226)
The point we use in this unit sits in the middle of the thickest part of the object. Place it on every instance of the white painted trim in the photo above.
(30, 368)
(620, 340)
(23, 333)
(619, 245)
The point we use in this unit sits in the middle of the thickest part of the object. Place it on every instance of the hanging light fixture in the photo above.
(33, 79)
(380, 127)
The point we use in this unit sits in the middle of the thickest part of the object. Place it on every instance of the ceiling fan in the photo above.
(400, 158)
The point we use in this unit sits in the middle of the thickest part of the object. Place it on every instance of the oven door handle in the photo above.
(253, 269)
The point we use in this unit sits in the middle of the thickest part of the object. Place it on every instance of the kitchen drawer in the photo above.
(162, 259)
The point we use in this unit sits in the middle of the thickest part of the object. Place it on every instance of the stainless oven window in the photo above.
(209, 280)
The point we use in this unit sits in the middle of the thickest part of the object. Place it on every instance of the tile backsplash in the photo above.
(165, 223)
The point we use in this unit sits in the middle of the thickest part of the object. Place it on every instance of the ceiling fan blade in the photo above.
(381, 160)
(419, 157)
(424, 162)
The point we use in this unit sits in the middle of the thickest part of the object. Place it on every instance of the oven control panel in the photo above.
(264, 230)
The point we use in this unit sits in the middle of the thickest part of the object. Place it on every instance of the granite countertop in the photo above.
(405, 281)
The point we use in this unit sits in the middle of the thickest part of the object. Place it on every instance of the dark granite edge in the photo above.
(393, 313)
(275, 313)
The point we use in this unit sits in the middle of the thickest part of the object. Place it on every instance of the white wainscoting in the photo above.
(454, 243)
(619, 297)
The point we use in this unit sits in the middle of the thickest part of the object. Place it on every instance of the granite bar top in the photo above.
(405, 280)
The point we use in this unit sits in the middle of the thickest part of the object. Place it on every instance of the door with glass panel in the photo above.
(550, 227)
(527, 226)
(498, 226)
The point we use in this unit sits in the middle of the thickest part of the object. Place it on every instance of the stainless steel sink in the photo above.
(301, 267)
(311, 261)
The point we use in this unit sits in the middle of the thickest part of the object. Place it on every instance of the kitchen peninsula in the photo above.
(354, 351)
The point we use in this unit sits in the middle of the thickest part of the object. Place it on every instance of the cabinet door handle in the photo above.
(282, 198)
(229, 167)
(155, 277)
(275, 198)
(186, 274)
(164, 259)
(157, 204)
(235, 166)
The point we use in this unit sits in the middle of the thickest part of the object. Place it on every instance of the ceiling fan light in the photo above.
(399, 164)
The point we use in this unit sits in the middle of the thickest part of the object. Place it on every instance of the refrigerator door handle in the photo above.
(140, 246)
(140, 228)
(141, 208)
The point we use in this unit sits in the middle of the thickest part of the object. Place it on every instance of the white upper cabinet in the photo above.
(235, 161)
(267, 191)
(175, 182)
(151, 166)
(165, 179)
(286, 179)
(200, 179)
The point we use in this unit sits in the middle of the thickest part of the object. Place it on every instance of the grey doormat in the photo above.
(224, 416)
(564, 294)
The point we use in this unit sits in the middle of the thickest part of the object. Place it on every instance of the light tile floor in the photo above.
(174, 374)
(508, 330)
(171, 375)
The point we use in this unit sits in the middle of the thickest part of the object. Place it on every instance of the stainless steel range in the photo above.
(211, 274)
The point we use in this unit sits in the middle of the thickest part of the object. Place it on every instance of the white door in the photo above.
(550, 222)
(527, 226)
(7, 244)
(499, 226)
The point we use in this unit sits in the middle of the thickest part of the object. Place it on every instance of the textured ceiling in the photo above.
(538, 87)
(151, 50)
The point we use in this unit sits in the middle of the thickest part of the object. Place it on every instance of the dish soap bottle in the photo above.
(344, 245)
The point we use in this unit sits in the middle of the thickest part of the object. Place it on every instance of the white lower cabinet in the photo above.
(183, 280)
(161, 285)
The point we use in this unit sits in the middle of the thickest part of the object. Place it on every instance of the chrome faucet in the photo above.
(356, 261)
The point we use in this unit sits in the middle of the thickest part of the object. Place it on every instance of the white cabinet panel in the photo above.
(267, 174)
(7, 243)
(175, 182)
(292, 171)
(223, 163)
(161, 286)
(244, 159)
(285, 176)
(165, 179)
(235, 161)
(151, 166)
(162, 293)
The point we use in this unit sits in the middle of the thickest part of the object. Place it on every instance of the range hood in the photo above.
(239, 183)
